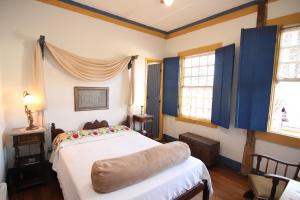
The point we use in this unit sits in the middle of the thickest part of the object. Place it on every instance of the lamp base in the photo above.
(31, 128)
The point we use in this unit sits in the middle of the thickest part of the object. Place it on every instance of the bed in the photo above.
(73, 160)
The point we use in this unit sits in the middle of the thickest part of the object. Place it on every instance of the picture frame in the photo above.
(91, 98)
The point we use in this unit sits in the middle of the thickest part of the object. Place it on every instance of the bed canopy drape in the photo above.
(79, 67)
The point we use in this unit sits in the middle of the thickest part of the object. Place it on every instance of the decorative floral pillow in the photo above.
(73, 135)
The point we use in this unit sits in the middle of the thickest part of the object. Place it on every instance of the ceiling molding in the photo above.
(213, 21)
(224, 16)
(105, 16)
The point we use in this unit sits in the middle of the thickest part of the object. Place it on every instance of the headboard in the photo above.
(96, 124)
(87, 126)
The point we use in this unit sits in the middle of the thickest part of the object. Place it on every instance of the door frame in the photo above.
(149, 61)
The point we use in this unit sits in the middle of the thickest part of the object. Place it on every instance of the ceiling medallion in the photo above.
(168, 3)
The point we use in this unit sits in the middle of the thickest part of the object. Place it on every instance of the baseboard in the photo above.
(232, 164)
(168, 138)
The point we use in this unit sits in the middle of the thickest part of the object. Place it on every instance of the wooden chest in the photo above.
(203, 148)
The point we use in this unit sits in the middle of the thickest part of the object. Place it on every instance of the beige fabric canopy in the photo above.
(79, 67)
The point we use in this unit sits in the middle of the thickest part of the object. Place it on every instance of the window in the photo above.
(196, 87)
(285, 110)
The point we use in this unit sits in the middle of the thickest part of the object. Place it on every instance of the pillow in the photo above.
(113, 174)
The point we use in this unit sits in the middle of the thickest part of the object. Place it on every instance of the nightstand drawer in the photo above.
(28, 139)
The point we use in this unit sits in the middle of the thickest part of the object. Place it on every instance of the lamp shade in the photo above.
(28, 99)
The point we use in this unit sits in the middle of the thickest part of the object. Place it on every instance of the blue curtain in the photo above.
(170, 86)
(255, 77)
(224, 61)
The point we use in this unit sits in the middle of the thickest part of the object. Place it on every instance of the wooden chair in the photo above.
(267, 184)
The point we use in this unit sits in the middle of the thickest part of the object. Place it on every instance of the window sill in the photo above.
(278, 138)
(196, 121)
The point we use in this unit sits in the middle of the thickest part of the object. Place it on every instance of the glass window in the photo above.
(285, 110)
(197, 86)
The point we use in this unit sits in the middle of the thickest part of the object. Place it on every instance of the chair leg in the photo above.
(249, 195)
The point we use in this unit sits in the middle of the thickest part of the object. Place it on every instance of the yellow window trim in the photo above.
(183, 54)
(202, 122)
(200, 50)
(277, 138)
(285, 20)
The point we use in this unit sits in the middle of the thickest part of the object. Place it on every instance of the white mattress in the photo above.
(74, 159)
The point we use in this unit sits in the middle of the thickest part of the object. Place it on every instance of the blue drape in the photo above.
(224, 61)
(170, 86)
(255, 77)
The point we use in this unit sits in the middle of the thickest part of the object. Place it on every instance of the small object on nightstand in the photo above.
(30, 168)
(142, 119)
(142, 110)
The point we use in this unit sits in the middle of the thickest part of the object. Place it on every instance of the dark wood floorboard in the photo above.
(227, 185)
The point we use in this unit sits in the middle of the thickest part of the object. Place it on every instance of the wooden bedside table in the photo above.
(142, 119)
(30, 167)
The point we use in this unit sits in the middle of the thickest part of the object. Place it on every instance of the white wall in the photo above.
(2, 126)
(24, 21)
(232, 140)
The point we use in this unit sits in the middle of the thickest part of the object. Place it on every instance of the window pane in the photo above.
(187, 71)
(286, 109)
(202, 81)
(211, 59)
(195, 61)
(187, 62)
(298, 70)
(210, 80)
(195, 81)
(290, 37)
(211, 70)
(187, 81)
(285, 106)
(195, 71)
(289, 54)
(203, 60)
(196, 93)
(203, 71)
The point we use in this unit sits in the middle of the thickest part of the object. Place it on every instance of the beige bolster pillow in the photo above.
(113, 174)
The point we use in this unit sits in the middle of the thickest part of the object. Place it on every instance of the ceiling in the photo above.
(153, 13)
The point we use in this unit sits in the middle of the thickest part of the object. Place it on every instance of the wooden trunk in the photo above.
(202, 148)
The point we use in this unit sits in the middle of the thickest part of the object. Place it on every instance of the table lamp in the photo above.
(29, 100)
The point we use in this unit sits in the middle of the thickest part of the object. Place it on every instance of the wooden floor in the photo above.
(227, 185)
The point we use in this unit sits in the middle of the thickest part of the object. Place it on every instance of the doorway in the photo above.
(153, 97)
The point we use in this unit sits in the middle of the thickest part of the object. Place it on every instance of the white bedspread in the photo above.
(74, 159)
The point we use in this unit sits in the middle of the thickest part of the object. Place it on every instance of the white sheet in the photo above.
(74, 159)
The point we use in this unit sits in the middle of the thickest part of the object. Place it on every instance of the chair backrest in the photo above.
(277, 162)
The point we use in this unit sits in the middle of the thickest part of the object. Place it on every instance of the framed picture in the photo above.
(91, 98)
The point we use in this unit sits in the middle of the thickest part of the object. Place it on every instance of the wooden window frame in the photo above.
(274, 82)
(182, 55)
(279, 138)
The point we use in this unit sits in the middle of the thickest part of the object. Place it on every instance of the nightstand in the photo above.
(142, 119)
(30, 162)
